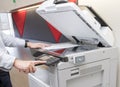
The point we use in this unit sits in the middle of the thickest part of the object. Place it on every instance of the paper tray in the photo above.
(39, 78)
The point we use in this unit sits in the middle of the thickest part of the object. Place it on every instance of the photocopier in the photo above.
(88, 60)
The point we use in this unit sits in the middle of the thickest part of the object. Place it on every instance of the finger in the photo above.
(32, 69)
(39, 62)
(46, 45)
(43, 44)
(20, 70)
(26, 71)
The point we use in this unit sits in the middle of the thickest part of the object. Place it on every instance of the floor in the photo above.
(19, 79)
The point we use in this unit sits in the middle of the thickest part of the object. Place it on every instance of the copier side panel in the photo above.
(89, 75)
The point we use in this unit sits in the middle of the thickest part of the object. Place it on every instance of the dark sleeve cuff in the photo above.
(26, 43)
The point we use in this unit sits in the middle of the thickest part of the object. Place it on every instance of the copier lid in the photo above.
(75, 24)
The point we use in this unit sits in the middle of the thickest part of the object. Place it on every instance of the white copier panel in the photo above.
(76, 23)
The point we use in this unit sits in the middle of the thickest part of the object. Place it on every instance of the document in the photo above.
(58, 46)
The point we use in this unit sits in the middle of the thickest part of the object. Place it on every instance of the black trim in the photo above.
(60, 1)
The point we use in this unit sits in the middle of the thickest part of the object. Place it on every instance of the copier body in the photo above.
(88, 65)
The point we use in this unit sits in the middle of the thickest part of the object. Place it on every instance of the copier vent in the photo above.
(90, 70)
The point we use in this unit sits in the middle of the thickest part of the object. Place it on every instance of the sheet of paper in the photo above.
(58, 46)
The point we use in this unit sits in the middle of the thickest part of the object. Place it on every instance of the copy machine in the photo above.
(90, 60)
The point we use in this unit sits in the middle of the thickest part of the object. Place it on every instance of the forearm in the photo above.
(15, 42)
(11, 41)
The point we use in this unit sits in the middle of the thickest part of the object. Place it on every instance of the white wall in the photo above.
(109, 10)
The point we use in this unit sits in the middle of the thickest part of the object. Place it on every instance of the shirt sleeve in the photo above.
(6, 60)
(12, 41)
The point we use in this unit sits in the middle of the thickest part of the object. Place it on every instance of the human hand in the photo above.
(26, 66)
(37, 45)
